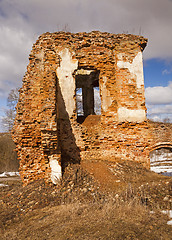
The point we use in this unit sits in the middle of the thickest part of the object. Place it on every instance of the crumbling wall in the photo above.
(161, 133)
(46, 130)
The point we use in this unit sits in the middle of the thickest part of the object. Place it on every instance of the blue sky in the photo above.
(157, 72)
(158, 88)
(21, 22)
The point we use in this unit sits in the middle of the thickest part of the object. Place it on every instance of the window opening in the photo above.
(88, 100)
(79, 103)
(160, 160)
(97, 101)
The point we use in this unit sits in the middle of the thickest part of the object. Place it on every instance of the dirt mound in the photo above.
(88, 204)
(131, 178)
(91, 120)
(16, 200)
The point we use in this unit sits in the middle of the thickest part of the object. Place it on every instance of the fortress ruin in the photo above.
(58, 120)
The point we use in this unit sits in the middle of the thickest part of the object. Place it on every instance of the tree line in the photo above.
(10, 113)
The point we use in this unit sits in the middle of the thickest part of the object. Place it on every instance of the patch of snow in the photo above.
(159, 169)
(169, 213)
(169, 222)
(3, 185)
(3, 174)
(9, 174)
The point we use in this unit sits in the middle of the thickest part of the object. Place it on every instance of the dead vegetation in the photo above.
(108, 220)
(82, 207)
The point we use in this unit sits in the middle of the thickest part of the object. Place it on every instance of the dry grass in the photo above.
(108, 220)
(79, 209)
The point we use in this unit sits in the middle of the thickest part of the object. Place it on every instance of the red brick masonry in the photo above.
(46, 130)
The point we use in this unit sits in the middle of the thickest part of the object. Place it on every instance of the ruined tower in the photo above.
(59, 118)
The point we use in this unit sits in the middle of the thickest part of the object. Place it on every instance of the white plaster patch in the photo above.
(136, 115)
(56, 172)
(66, 80)
(135, 68)
(106, 98)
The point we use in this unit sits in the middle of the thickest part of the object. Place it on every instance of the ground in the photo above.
(100, 200)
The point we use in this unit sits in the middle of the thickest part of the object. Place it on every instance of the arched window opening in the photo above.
(161, 160)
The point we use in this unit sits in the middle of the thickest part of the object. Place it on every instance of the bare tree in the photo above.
(10, 113)
(166, 120)
(66, 28)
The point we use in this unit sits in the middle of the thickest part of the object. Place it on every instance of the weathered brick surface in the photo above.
(46, 124)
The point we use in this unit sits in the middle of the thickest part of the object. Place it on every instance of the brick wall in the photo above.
(47, 132)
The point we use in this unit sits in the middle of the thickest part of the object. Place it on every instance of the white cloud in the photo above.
(168, 69)
(159, 102)
(150, 18)
(22, 21)
(160, 109)
(14, 51)
(159, 112)
(166, 72)
(159, 94)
